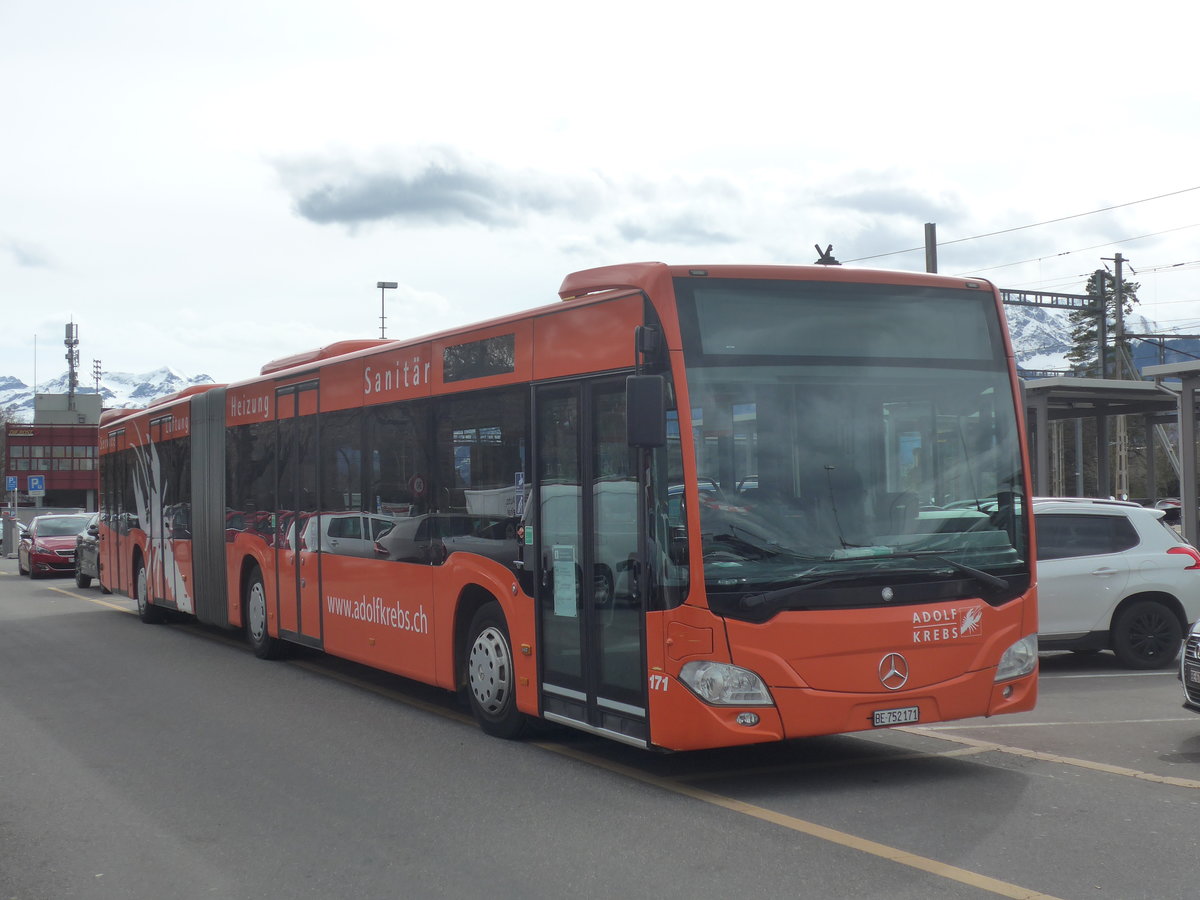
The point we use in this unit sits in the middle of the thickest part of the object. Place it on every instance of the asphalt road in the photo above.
(166, 761)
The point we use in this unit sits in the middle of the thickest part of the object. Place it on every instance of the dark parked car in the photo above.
(48, 546)
(18, 529)
(87, 553)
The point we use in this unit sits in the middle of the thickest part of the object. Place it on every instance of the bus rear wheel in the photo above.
(491, 683)
(147, 611)
(254, 608)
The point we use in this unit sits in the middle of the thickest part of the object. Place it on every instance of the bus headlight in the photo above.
(722, 684)
(1019, 659)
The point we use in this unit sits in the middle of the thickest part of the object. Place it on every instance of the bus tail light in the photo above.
(722, 684)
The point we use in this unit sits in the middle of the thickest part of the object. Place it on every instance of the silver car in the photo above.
(344, 533)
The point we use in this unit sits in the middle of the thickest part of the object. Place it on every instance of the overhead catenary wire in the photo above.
(1092, 247)
(977, 237)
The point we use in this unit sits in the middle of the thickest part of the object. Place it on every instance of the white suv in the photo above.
(1113, 576)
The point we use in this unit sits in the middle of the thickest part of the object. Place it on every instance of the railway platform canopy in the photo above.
(1159, 402)
(1188, 374)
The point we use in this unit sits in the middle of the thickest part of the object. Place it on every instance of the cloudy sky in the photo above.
(210, 185)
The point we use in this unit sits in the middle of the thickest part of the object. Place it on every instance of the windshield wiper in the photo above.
(986, 578)
(778, 596)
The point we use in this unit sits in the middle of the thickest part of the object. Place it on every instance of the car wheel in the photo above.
(147, 611)
(81, 580)
(254, 608)
(1146, 635)
(20, 568)
(491, 683)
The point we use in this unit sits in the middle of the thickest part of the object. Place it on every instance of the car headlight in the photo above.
(722, 684)
(1019, 659)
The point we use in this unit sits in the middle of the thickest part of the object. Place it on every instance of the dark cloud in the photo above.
(444, 190)
(26, 255)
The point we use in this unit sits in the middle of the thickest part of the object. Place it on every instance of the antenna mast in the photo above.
(72, 345)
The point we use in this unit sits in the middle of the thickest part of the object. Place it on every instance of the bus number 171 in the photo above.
(658, 682)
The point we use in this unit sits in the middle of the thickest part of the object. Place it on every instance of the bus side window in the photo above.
(399, 477)
(481, 456)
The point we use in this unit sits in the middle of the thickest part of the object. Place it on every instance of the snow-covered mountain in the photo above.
(1042, 336)
(118, 389)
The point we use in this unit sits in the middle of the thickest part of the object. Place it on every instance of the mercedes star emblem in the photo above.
(893, 671)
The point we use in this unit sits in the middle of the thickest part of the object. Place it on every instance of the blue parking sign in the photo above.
(10, 482)
(37, 484)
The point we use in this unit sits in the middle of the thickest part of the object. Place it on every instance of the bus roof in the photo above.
(593, 286)
(650, 275)
(329, 351)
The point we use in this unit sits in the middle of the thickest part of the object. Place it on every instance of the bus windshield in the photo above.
(855, 444)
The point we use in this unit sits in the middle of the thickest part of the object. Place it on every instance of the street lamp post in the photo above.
(383, 286)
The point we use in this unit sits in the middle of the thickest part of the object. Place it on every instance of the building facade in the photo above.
(60, 447)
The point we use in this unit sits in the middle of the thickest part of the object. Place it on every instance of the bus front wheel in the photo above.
(491, 684)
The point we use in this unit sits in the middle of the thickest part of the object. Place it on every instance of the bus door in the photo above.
(113, 543)
(586, 536)
(297, 576)
(162, 575)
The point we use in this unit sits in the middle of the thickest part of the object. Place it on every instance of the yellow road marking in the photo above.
(841, 838)
(105, 603)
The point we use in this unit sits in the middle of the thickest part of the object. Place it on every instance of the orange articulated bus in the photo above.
(683, 507)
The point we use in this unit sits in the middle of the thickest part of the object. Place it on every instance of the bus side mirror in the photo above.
(646, 411)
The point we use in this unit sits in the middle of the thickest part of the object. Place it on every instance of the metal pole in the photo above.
(930, 247)
(383, 286)
(1041, 419)
(1151, 462)
(1187, 457)
(1079, 458)
(1119, 314)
